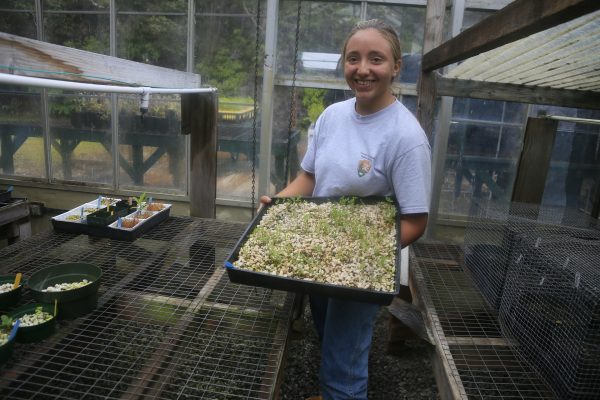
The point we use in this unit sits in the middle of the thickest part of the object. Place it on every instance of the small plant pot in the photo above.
(72, 303)
(11, 298)
(130, 223)
(6, 349)
(103, 217)
(155, 207)
(35, 333)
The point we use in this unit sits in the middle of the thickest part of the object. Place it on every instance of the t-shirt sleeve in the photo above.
(411, 178)
(308, 162)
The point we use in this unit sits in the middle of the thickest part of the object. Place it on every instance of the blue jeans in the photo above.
(345, 330)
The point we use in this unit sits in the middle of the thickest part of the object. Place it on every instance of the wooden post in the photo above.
(199, 120)
(434, 24)
(536, 154)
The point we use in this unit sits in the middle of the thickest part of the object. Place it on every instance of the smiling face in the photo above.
(369, 69)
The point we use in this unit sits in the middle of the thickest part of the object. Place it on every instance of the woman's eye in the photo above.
(377, 60)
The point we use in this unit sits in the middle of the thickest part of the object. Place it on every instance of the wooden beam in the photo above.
(434, 24)
(517, 93)
(28, 57)
(534, 162)
(517, 20)
(199, 120)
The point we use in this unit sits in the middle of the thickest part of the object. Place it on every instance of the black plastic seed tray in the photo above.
(271, 281)
(61, 224)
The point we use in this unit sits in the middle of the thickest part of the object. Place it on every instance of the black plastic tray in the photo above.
(110, 232)
(237, 275)
(5, 196)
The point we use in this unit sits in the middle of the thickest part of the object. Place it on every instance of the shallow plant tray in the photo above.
(271, 281)
(61, 223)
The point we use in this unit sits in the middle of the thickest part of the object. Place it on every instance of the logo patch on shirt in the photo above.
(364, 166)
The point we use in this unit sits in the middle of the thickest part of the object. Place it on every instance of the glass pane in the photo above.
(151, 149)
(157, 39)
(226, 46)
(88, 32)
(161, 6)
(21, 142)
(81, 137)
(323, 28)
(225, 58)
(410, 102)
(573, 179)
(409, 23)
(76, 5)
(17, 17)
(238, 141)
(471, 17)
(484, 146)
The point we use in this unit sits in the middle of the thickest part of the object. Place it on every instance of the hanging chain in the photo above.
(292, 120)
(255, 116)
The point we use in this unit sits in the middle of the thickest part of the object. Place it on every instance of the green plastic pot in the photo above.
(10, 299)
(71, 303)
(28, 334)
(6, 349)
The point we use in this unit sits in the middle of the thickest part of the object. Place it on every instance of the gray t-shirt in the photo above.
(380, 154)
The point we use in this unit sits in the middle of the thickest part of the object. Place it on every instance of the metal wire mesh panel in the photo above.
(493, 229)
(551, 307)
(168, 324)
(495, 372)
(478, 361)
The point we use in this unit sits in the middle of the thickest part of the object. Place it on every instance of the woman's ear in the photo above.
(397, 68)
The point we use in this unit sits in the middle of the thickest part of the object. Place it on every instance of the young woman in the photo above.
(368, 145)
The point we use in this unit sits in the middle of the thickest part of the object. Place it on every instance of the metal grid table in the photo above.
(473, 360)
(168, 324)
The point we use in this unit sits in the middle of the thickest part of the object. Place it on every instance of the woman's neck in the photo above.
(369, 108)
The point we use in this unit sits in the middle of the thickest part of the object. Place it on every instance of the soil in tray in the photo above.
(222, 360)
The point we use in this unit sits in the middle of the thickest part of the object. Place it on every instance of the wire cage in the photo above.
(551, 308)
(494, 230)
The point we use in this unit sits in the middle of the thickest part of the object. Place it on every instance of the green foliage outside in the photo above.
(314, 102)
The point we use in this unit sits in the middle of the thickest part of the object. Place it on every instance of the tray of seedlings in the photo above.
(113, 218)
(345, 247)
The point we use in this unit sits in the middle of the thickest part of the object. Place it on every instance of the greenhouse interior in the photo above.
(138, 136)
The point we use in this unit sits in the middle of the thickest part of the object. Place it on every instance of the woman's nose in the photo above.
(363, 67)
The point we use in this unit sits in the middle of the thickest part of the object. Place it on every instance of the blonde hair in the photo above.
(384, 29)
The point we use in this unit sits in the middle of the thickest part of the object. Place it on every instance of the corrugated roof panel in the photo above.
(566, 56)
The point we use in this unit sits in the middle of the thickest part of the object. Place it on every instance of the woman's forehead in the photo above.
(368, 37)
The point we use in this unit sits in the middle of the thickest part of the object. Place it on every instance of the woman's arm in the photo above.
(303, 185)
(412, 226)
